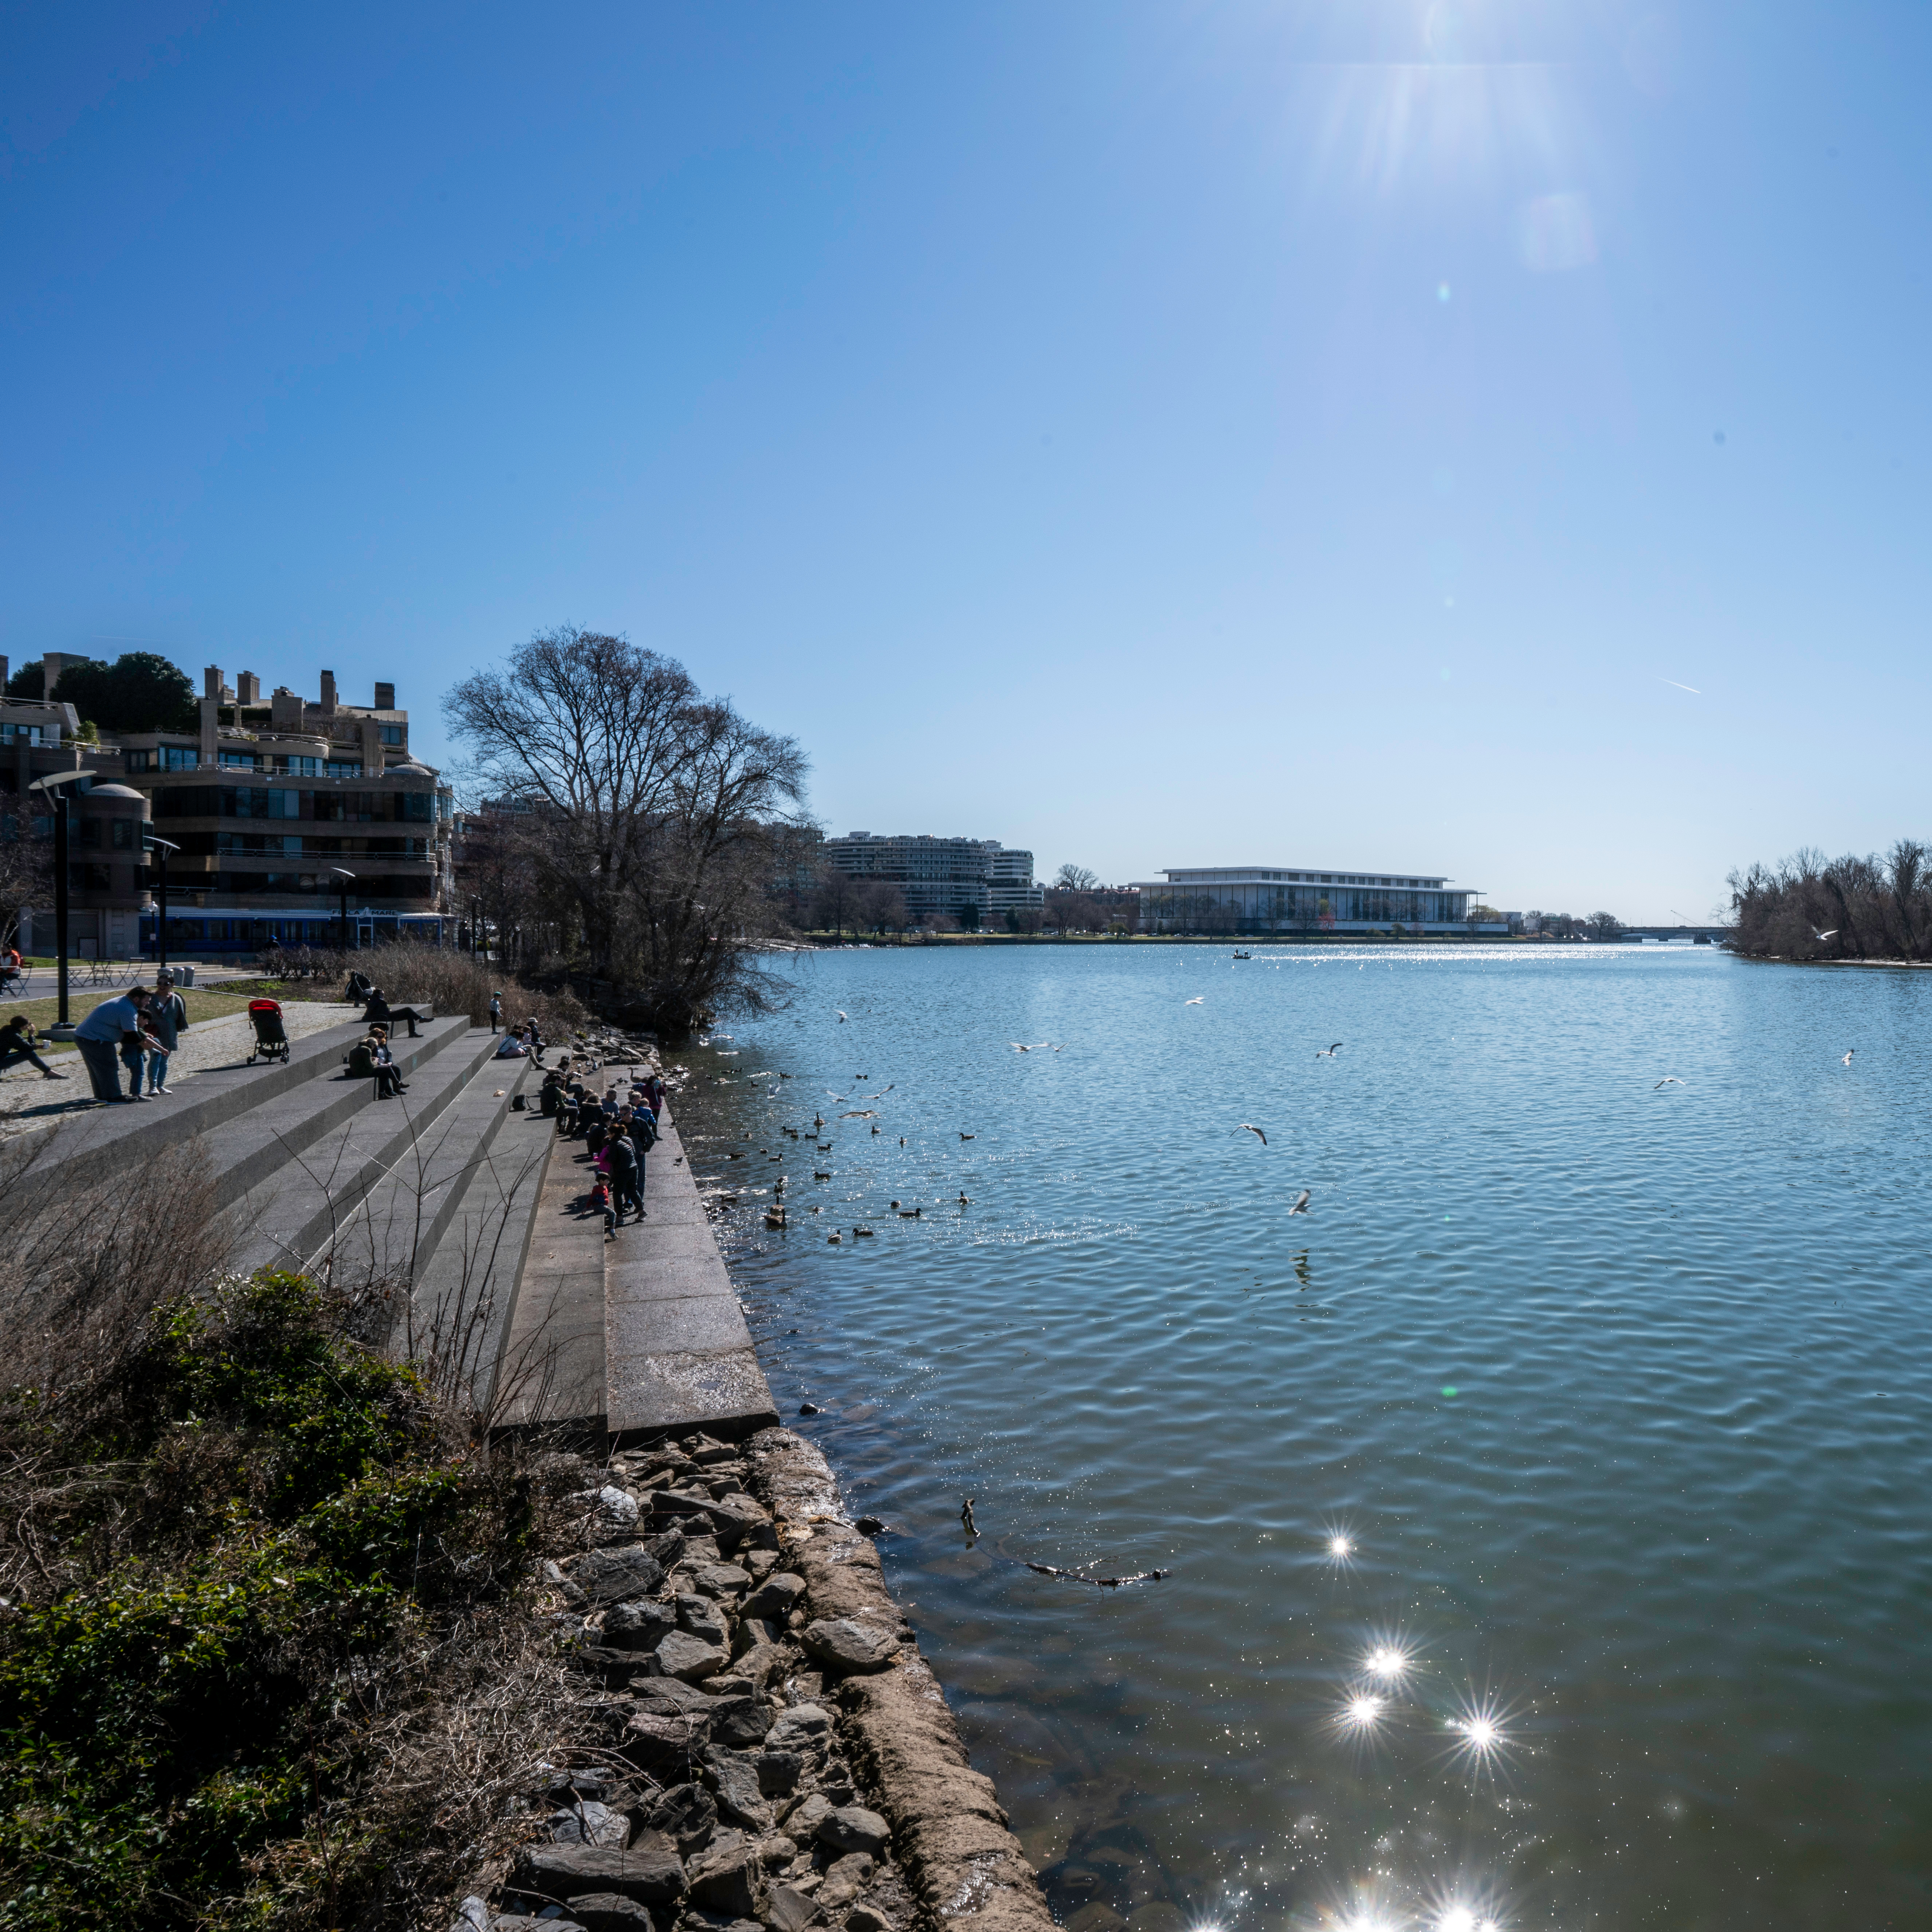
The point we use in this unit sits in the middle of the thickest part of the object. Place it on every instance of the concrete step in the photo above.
(552, 1353)
(463, 1300)
(316, 1164)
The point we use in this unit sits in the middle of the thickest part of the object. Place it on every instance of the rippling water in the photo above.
(1600, 1406)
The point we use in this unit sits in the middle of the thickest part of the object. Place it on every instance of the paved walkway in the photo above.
(28, 1100)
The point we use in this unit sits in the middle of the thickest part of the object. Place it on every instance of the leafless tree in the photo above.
(1076, 879)
(650, 810)
(1808, 907)
(26, 872)
(837, 901)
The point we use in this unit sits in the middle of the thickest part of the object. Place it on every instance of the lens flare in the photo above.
(1389, 1662)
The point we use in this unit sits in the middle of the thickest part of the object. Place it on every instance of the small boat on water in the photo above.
(1243, 956)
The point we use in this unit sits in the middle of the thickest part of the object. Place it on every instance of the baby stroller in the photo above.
(272, 1040)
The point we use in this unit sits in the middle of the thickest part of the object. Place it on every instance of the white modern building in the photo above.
(1304, 898)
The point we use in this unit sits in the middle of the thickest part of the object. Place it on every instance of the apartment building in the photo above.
(272, 801)
(978, 880)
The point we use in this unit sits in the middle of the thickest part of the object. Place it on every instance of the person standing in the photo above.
(114, 1023)
(626, 1191)
(496, 1012)
(635, 1126)
(167, 1021)
(17, 1039)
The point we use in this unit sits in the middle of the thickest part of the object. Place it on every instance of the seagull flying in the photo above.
(1195, 1001)
(1034, 1048)
(1301, 1203)
(1847, 1060)
(1822, 936)
(1327, 1052)
(1249, 1127)
(840, 1011)
(1669, 1080)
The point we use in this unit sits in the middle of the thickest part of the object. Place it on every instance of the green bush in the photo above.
(183, 1728)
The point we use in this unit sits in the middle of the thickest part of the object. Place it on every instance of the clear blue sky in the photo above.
(1155, 434)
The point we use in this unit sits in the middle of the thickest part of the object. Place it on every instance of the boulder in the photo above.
(663, 1746)
(803, 1821)
(867, 1918)
(700, 1617)
(789, 1911)
(691, 1657)
(779, 1772)
(741, 1722)
(740, 1523)
(808, 1724)
(648, 1871)
(605, 1911)
(721, 1580)
(668, 1547)
(687, 1814)
(777, 1595)
(638, 1625)
(735, 1775)
(588, 1822)
(728, 1878)
(777, 1851)
(846, 1644)
(612, 1576)
(851, 1828)
(670, 1697)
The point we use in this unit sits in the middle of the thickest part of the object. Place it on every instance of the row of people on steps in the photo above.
(618, 1133)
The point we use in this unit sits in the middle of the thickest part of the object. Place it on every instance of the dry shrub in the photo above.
(453, 981)
(272, 1647)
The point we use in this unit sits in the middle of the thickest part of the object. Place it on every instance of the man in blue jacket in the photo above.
(115, 1023)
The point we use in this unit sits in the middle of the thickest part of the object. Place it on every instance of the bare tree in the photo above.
(650, 811)
(26, 872)
(836, 902)
(1076, 879)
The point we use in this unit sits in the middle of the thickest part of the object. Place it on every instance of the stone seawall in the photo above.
(760, 1747)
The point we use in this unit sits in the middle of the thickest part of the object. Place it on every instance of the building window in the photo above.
(23, 734)
(341, 768)
(140, 761)
(240, 761)
(123, 834)
(392, 734)
(178, 758)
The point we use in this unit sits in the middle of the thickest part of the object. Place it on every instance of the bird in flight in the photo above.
(1249, 1127)
(1034, 1048)
(1669, 1080)
(1327, 1052)
(840, 1011)
(1195, 1001)
(1301, 1203)
(1822, 936)
(860, 1114)
(1847, 1060)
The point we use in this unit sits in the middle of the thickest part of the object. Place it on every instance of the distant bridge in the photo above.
(1710, 934)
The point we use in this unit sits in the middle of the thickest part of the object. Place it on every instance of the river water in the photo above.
(1546, 1507)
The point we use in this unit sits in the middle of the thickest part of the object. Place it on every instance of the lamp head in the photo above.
(51, 780)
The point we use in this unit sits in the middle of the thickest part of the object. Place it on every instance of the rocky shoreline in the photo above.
(762, 1749)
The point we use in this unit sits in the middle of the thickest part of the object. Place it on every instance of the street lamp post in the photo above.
(167, 849)
(342, 880)
(52, 788)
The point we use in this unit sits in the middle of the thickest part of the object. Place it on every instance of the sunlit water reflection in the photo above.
(1546, 1507)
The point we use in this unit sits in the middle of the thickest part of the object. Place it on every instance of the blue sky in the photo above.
(1156, 434)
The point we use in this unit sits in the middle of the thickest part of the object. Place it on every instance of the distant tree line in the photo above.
(1810, 908)
(1563, 925)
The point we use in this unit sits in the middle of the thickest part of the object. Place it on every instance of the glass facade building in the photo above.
(1267, 898)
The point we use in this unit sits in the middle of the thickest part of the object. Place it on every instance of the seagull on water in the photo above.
(1328, 1052)
(1669, 1080)
(1301, 1203)
(1249, 1127)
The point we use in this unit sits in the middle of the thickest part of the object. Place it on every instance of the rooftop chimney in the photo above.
(248, 687)
(328, 691)
(211, 682)
(385, 697)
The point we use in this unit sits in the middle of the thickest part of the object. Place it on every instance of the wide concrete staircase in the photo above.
(468, 1220)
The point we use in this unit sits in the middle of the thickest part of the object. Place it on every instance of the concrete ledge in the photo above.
(677, 1354)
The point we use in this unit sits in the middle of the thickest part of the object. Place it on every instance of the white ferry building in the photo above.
(1267, 898)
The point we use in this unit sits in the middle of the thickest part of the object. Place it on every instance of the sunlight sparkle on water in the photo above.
(1387, 1661)
(1361, 1712)
(1483, 1737)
